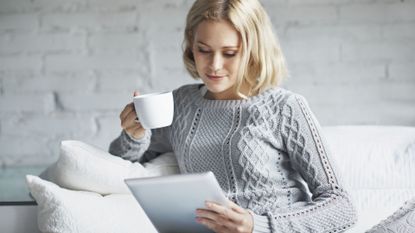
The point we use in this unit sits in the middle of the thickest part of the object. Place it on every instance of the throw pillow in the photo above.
(84, 167)
(62, 210)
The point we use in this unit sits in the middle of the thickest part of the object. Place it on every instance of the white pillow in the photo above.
(84, 167)
(62, 210)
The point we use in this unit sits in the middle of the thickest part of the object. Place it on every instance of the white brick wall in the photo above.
(67, 68)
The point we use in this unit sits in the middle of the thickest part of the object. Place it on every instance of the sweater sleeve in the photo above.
(330, 208)
(154, 143)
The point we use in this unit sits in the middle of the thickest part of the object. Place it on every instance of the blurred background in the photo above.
(68, 67)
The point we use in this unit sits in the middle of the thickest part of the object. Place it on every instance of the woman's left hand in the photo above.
(222, 219)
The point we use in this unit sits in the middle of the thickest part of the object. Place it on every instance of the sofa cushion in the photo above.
(62, 210)
(377, 166)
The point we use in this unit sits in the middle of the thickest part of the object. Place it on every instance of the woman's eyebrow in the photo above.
(224, 47)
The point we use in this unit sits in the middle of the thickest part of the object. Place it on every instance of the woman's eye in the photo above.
(230, 54)
(203, 50)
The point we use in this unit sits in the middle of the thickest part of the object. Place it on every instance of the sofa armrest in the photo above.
(20, 217)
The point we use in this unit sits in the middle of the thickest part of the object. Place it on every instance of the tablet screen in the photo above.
(170, 202)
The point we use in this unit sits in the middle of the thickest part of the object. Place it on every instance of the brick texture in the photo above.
(67, 68)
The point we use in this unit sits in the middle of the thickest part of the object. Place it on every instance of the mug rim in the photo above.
(152, 94)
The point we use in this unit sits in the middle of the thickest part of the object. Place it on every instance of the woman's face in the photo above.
(217, 54)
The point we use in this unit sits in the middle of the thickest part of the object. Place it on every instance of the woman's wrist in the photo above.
(134, 140)
(261, 223)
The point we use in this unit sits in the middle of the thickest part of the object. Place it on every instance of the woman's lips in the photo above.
(215, 77)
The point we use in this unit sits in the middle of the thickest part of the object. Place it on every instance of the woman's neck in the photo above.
(229, 94)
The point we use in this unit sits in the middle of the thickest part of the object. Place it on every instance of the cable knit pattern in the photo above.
(128, 148)
(402, 221)
(263, 150)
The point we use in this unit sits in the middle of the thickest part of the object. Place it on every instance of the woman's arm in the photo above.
(330, 209)
(152, 144)
(130, 148)
(136, 143)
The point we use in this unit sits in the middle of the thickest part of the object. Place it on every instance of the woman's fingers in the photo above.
(231, 218)
(236, 207)
(129, 123)
(211, 224)
(224, 211)
(127, 109)
(131, 128)
(214, 216)
(129, 120)
(207, 214)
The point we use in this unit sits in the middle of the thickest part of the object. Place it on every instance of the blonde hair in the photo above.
(263, 64)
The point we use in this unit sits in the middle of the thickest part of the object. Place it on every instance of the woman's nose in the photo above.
(216, 62)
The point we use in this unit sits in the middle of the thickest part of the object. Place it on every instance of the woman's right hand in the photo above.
(129, 121)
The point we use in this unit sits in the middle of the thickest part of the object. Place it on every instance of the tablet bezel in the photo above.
(170, 202)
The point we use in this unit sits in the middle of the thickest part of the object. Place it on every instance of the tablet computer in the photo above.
(170, 202)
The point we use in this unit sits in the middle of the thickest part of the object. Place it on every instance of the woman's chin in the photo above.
(216, 90)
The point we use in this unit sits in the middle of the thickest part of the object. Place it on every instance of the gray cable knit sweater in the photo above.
(267, 153)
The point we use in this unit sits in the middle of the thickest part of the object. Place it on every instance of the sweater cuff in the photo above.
(261, 224)
(132, 141)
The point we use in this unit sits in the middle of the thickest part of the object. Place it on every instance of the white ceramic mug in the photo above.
(154, 110)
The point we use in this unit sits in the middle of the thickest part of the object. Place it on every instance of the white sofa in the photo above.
(377, 164)
(18, 219)
(378, 168)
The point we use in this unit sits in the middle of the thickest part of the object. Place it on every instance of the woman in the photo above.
(262, 142)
